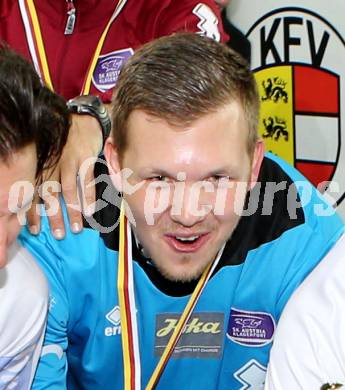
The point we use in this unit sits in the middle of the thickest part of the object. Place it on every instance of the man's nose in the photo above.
(191, 208)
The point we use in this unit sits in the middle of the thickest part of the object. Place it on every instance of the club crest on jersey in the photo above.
(299, 62)
(108, 68)
(250, 328)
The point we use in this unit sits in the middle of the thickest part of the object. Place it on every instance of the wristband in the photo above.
(92, 105)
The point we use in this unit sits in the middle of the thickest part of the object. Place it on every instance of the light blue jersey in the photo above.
(225, 344)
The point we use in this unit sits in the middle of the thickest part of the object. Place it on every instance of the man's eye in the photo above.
(159, 178)
(219, 178)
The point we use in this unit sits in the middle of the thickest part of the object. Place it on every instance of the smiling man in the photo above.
(183, 288)
(33, 131)
(178, 235)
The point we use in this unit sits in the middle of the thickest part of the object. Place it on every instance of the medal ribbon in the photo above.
(129, 326)
(129, 333)
(36, 45)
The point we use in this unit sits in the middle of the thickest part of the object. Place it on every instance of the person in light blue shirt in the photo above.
(182, 288)
(33, 130)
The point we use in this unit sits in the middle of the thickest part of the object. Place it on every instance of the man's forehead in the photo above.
(219, 129)
(176, 123)
(17, 176)
(15, 197)
(4, 200)
(215, 142)
(232, 109)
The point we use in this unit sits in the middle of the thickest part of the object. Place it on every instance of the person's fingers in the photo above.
(70, 193)
(88, 185)
(49, 192)
(34, 216)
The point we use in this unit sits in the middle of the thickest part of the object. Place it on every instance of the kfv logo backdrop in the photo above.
(299, 63)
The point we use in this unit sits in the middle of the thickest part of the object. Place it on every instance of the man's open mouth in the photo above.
(187, 240)
(186, 243)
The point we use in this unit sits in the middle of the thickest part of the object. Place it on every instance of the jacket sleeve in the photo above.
(165, 17)
(202, 17)
(52, 367)
(309, 345)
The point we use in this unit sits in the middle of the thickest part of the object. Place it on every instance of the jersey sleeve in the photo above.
(309, 346)
(52, 368)
(23, 312)
(202, 17)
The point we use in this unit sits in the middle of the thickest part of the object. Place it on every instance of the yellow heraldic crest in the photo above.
(276, 114)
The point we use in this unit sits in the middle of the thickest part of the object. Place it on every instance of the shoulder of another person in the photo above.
(23, 272)
(24, 301)
(324, 288)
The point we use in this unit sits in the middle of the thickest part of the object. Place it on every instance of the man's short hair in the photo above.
(180, 78)
(29, 112)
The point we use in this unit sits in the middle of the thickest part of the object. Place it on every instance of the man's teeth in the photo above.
(192, 238)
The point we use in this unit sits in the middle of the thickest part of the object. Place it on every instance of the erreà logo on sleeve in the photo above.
(299, 62)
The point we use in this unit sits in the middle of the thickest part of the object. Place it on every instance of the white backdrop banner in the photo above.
(298, 56)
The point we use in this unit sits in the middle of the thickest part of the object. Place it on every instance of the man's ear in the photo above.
(113, 162)
(258, 156)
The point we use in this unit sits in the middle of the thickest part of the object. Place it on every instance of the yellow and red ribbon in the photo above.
(129, 329)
